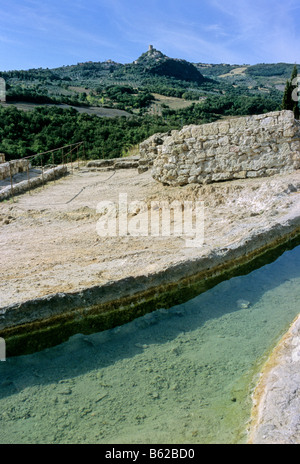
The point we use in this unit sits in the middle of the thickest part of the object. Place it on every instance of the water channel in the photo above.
(182, 375)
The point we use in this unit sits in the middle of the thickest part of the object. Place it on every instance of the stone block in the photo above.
(223, 128)
(210, 129)
(240, 175)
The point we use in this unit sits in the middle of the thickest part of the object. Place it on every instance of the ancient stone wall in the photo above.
(149, 150)
(112, 164)
(252, 146)
(25, 185)
(13, 167)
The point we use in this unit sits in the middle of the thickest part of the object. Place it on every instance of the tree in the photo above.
(289, 102)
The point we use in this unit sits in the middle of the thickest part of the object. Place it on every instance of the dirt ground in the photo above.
(49, 241)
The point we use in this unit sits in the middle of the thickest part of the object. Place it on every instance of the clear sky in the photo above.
(52, 33)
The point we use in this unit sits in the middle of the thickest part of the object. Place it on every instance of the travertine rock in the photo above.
(21, 187)
(252, 146)
(276, 399)
(13, 167)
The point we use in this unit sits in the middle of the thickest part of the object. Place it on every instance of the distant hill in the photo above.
(137, 87)
(152, 68)
(149, 64)
(263, 69)
(114, 106)
(155, 62)
(260, 77)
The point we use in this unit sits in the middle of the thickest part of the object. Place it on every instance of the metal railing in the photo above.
(59, 160)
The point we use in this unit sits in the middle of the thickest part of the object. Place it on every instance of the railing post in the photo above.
(28, 176)
(51, 153)
(84, 154)
(11, 182)
(42, 171)
(53, 165)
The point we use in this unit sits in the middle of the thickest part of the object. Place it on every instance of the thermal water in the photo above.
(182, 375)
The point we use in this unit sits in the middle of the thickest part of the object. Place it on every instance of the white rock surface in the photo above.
(238, 148)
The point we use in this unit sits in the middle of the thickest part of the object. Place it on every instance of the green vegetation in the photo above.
(213, 108)
(289, 101)
(270, 70)
(215, 70)
(221, 90)
(124, 97)
(45, 128)
(179, 70)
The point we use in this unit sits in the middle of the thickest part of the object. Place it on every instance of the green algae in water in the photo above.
(182, 375)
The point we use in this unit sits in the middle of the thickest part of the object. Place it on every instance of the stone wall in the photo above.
(34, 182)
(13, 167)
(149, 150)
(252, 146)
(112, 164)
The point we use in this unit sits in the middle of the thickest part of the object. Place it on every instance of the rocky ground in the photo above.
(276, 412)
(49, 241)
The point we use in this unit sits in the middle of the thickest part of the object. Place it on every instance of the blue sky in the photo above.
(52, 33)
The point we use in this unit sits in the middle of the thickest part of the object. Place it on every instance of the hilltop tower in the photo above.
(150, 49)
